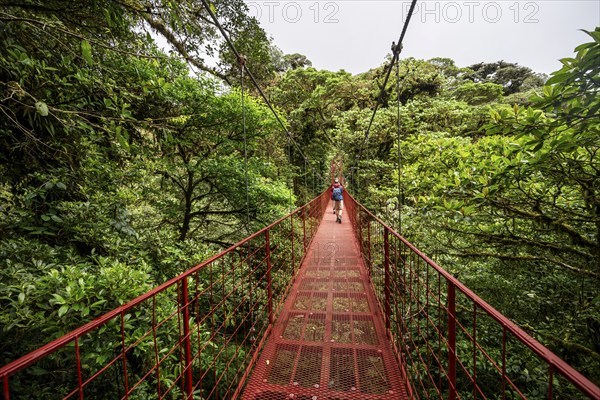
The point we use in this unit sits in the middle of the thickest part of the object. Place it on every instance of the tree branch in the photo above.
(160, 28)
(525, 258)
(573, 347)
(540, 216)
(520, 240)
(218, 212)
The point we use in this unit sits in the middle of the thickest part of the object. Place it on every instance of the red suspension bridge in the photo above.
(303, 309)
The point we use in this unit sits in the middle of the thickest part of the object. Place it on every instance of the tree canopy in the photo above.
(504, 195)
(124, 162)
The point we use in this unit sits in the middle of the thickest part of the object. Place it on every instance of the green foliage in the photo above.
(513, 77)
(502, 194)
(119, 169)
(293, 61)
(47, 291)
(311, 99)
(478, 93)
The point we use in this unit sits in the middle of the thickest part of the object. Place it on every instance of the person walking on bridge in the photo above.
(338, 201)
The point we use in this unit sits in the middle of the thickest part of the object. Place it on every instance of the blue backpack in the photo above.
(337, 193)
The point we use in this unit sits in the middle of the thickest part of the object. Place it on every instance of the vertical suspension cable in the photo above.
(291, 165)
(242, 62)
(357, 185)
(305, 173)
(366, 170)
(400, 194)
(396, 49)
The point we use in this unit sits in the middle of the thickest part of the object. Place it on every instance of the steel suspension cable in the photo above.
(396, 49)
(305, 173)
(242, 63)
(400, 191)
(289, 146)
(254, 81)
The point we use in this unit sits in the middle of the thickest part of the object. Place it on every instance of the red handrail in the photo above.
(199, 333)
(429, 314)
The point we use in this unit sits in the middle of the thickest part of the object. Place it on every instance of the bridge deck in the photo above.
(329, 341)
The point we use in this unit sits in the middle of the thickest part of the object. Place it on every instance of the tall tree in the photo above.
(513, 77)
(312, 100)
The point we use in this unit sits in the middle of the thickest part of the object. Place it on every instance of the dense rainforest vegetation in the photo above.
(122, 163)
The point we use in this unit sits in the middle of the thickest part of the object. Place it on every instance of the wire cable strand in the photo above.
(242, 63)
(400, 175)
(396, 49)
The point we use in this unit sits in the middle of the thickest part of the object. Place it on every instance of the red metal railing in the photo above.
(196, 336)
(449, 342)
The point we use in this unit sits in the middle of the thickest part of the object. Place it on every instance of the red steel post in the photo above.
(5, 387)
(186, 337)
(293, 255)
(550, 381)
(451, 340)
(386, 263)
(304, 227)
(124, 355)
(269, 281)
(475, 351)
(503, 363)
(369, 265)
(79, 375)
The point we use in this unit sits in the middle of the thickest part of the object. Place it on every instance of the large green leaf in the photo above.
(86, 52)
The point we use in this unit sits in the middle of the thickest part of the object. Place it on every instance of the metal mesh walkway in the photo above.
(329, 341)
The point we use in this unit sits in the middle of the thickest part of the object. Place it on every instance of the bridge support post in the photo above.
(386, 264)
(293, 257)
(187, 349)
(304, 228)
(370, 263)
(452, 340)
(269, 281)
